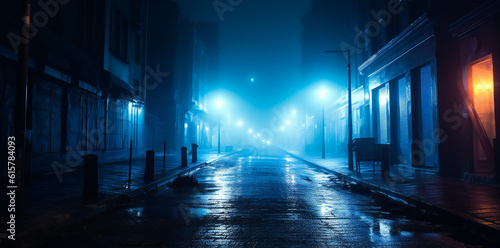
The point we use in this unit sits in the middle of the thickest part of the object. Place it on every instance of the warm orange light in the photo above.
(483, 96)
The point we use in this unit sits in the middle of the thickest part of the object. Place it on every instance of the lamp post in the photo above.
(322, 93)
(349, 105)
(219, 106)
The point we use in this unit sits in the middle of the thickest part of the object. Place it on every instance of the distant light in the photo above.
(287, 122)
(219, 103)
(282, 127)
(258, 135)
(264, 141)
(268, 142)
(240, 123)
(322, 93)
(251, 79)
(294, 112)
(185, 125)
(206, 128)
(250, 130)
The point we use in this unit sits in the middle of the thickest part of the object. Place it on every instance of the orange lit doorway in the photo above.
(480, 88)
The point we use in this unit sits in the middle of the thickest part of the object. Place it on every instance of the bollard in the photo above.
(149, 171)
(184, 162)
(90, 178)
(194, 150)
(385, 159)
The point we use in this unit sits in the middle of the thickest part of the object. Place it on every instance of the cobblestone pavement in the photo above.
(258, 201)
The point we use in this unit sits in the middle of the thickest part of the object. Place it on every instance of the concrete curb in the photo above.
(88, 211)
(472, 224)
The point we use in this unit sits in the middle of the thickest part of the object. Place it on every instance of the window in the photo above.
(118, 44)
(47, 118)
(85, 36)
(481, 91)
(124, 38)
(114, 44)
(404, 129)
(137, 48)
(382, 116)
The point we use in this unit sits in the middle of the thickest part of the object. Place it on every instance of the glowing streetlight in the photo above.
(219, 103)
(240, 123)
(251, 80)
(250, 130)
(322, 93)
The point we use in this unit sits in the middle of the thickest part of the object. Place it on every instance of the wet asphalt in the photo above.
(263, 199)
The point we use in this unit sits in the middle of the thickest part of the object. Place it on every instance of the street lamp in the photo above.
(322, 94)
(349, 104)
(219, 106)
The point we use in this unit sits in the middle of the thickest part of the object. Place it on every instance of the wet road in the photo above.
(256, 201)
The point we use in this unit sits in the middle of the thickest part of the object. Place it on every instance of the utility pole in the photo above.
(21, 98)
(349, 105)
(218, 140)
(323, 130)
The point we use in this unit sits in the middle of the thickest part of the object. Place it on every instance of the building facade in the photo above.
(424, 76)
(188, 53)
(86, 93)
(431, 85)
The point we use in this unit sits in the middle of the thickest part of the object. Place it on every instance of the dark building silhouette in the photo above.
(86, 93)
(162, 52)
(189, 52)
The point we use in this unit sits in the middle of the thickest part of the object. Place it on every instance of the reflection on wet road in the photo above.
(256, 201)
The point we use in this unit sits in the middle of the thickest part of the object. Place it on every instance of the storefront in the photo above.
(403, 96)
(478, 37)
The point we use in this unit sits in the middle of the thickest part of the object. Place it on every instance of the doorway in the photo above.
(480, 88)
(382, 124)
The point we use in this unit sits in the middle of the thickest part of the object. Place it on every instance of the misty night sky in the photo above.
(259, 39)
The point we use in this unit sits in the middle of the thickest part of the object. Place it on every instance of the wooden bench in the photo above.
(365, 149)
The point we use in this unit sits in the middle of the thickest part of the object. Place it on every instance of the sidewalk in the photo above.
(476, 205)
(52, 204)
